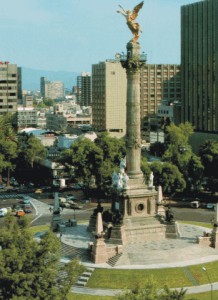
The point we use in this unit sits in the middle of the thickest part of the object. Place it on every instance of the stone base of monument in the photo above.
(214, 237)
(118, 235)
(172, 231)
(137, 230)
(99, 251)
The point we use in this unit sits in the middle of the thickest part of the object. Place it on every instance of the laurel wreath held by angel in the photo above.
(130, 18)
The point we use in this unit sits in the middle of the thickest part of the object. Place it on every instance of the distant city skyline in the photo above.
(74, 34)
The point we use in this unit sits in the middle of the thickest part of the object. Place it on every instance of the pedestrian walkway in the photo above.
(112, 292)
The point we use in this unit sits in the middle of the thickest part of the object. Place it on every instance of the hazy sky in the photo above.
(71, 35)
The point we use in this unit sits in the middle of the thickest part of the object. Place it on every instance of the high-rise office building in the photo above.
(199, 65)
(51, 89)
(109, 90)
(84, 89)
(159, 82)
(10, 83)
(43, 81)
(54, 90)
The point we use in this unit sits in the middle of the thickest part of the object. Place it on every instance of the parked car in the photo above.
(210, 206)
(27, 209)
(38, 191)
(75, 206)
(25, 200)
(20, 213)
(3, 212)
(195, 204)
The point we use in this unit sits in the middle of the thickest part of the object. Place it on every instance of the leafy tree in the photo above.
(168, 176)
(195, 173)
(30, 269)
(151, 292)
(113, 150)
(145, 168)
(33, 148)
(209, 157)
(85, 157)
(179, 153)
(8, 145)
(98, 159)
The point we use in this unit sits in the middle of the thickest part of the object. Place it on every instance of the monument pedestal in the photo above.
(99, 251)
(214, 237)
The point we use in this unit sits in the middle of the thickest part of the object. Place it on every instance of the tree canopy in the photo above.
(168, 176)
(179, 153)
(98, 159)
(8, 144)
(209, 156)
(30, 269)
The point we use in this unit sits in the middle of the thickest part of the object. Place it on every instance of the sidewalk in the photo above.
(113, 292)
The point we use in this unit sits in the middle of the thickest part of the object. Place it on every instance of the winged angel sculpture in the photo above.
(130, 17)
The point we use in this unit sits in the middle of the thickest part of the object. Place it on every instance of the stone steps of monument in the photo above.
(137, 222)
(72, 252)
(114, 259)
(81, 283)
(84, 278)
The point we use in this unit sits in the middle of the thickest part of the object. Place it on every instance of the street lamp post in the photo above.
(211, 285)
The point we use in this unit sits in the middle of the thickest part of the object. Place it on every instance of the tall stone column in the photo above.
(132, 63)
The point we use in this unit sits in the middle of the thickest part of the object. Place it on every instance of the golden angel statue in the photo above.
(130, 17)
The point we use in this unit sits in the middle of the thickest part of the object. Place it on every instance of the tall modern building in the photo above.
(159, 82)
(199, 65)
(43, 81)
(51, 89)
(109, 89)
(84, 89)
(10, 84)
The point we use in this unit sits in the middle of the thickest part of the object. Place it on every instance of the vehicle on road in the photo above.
(25, 200)
(38, 191)
(75, 205)
(20, 213)
(27, 209)
(195, 204)
(210, 206)
(3, 212)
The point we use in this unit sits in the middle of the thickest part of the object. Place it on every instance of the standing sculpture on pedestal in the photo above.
(130, 17)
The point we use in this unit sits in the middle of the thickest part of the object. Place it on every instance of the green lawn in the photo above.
(206, 225)
(120, 279)
(40, 228)
(201, 296)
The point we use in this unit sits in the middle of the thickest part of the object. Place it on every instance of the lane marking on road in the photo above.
(36, 218)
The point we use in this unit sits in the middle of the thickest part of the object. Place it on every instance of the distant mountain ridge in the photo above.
(31, 78)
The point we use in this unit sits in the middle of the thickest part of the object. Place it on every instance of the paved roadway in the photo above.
(180, 213)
